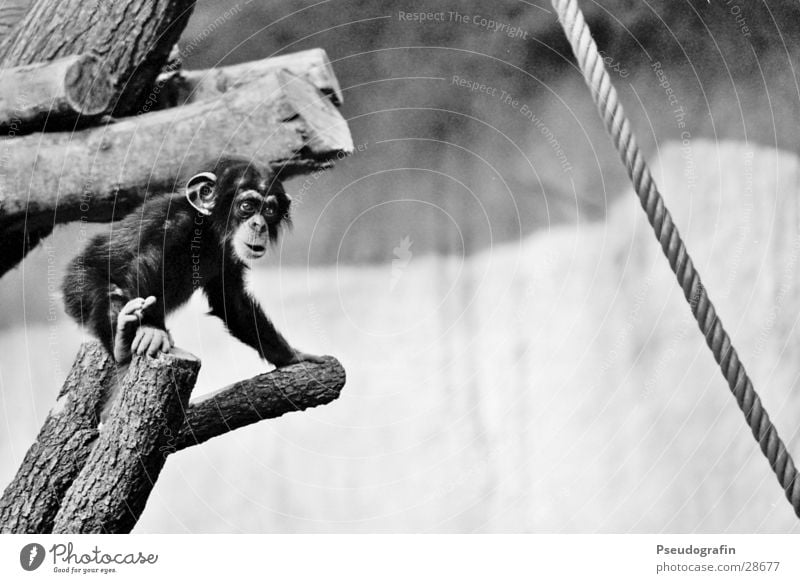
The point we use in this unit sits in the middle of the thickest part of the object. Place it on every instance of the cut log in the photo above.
(181, 87)
(133, 39)
(65, 89)
(270, 395)
(101, 174)
(111, 491)
(32, 499)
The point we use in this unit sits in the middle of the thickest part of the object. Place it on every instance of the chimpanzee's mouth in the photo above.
(256, 248)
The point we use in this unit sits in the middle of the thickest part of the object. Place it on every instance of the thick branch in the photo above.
(101, 174)
(67, 462)
(294, 388)
(31, 501)
(131, 37)
(112, 489)
(313, 65)
(63, 89)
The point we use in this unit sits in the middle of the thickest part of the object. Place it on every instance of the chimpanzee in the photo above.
(128, 279)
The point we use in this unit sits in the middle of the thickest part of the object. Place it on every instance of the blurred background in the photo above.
(519, 357)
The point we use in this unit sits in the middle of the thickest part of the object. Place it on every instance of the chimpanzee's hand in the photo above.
(150, 339)
(127, 338)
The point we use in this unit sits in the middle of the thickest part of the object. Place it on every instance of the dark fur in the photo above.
(154, 251)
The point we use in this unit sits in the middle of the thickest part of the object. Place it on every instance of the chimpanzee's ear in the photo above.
(200, 192)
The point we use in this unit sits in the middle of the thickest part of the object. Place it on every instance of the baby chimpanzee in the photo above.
(127, 280)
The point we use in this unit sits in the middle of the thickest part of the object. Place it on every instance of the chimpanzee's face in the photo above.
(259, 208)
(248, 207)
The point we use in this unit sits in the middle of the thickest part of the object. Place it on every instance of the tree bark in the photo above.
(64, 89)
(48, 477)
(32, 499)
(132, 38)
(112, 489)
(102, 174)
(182, 87)
(272, 394)
(11, 12)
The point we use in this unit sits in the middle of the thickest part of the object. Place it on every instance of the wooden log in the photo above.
(64, 89)
(111, 491)
(181, 87)
(132, 38)
(103, 173)
(266, 396)
(31, 501)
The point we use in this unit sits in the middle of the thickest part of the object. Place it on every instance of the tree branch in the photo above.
(269, 395)
(101, 485)
(30, 502)
(110, 492)
(103, 173)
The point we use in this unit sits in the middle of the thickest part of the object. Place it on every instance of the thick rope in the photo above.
(617, 125)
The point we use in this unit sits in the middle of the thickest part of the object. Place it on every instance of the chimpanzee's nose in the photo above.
(258, 224)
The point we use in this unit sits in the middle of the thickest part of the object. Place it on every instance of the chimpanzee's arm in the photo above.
(245, 319)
